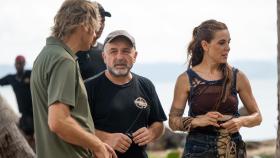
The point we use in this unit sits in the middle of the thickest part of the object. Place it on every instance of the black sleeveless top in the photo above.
(204, 95)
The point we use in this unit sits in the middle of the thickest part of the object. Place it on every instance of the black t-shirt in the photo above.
(114, 108)
(91, 61)
(21, 87)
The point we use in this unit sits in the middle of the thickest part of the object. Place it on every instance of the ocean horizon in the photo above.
(262, 76)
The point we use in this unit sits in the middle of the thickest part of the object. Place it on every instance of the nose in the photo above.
(227, 47)
(94, 34)
(119, 55)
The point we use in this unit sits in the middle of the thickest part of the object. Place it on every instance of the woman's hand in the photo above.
(232, 125)
(209, 119)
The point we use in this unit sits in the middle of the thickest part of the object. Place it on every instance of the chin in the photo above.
(85, 48)
(224, 61)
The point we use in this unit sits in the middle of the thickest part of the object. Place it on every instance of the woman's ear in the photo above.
(205, 45)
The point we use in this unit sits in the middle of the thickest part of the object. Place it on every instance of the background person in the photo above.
(91, 61)
(20, 83)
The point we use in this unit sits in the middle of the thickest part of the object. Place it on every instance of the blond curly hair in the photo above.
(74, 13)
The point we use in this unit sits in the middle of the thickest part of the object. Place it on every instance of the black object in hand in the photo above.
(129, 135)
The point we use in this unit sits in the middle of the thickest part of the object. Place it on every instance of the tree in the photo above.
(12, 142)
(277, 154)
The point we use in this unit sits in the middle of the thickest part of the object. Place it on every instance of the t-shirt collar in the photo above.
(54, 41)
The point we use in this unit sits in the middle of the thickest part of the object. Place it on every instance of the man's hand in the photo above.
(100, 150)
(143, 136)
(104, 151)
(111, 151)
(119, 142)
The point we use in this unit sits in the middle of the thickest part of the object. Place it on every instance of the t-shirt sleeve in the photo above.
(62, 80)
(157, 112)
(5, 80)
(88, 85)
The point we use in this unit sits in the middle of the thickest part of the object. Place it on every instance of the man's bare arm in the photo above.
(61, 123)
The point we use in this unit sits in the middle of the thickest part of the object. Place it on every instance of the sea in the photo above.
(262, 77)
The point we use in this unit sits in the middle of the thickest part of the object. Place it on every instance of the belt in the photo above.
(210, 130)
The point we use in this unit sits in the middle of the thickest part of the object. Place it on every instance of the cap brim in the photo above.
(107, 14)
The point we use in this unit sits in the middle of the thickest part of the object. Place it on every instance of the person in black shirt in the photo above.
(91, 61)
(125, 107)
(20, 83)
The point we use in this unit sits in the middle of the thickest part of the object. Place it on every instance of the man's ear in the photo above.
(135, 56)
(104, 57)
(85, 28)
(81, 27)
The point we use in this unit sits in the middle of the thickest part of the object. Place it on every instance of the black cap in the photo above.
(102, 11)
(118, 33)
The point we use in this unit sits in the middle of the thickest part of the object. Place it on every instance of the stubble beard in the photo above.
(119, 72)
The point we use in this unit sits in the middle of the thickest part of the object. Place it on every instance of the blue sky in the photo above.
(162, 28)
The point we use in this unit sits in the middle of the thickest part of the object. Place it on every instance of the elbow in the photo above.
(259, 119)
(54, 126)
(256, 121)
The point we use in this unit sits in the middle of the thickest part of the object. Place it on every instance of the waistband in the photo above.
(211, 130)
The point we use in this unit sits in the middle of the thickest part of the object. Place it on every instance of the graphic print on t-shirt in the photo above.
(140, 103)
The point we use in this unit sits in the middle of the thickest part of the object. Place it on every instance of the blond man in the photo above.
(63, 124)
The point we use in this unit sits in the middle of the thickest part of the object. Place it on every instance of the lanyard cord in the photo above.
(133, 123)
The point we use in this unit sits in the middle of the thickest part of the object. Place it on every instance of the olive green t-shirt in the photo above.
(56, 78)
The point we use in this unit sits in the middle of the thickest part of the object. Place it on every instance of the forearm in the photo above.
(157, 129)
(177, 121)
(70, 131)
(251, 120)
(102, 135)
(67, 128)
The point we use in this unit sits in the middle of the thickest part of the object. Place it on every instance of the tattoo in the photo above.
(176, 112)
(177, 122)
(187, 123)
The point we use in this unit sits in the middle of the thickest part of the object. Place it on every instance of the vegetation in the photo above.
(174, 153)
